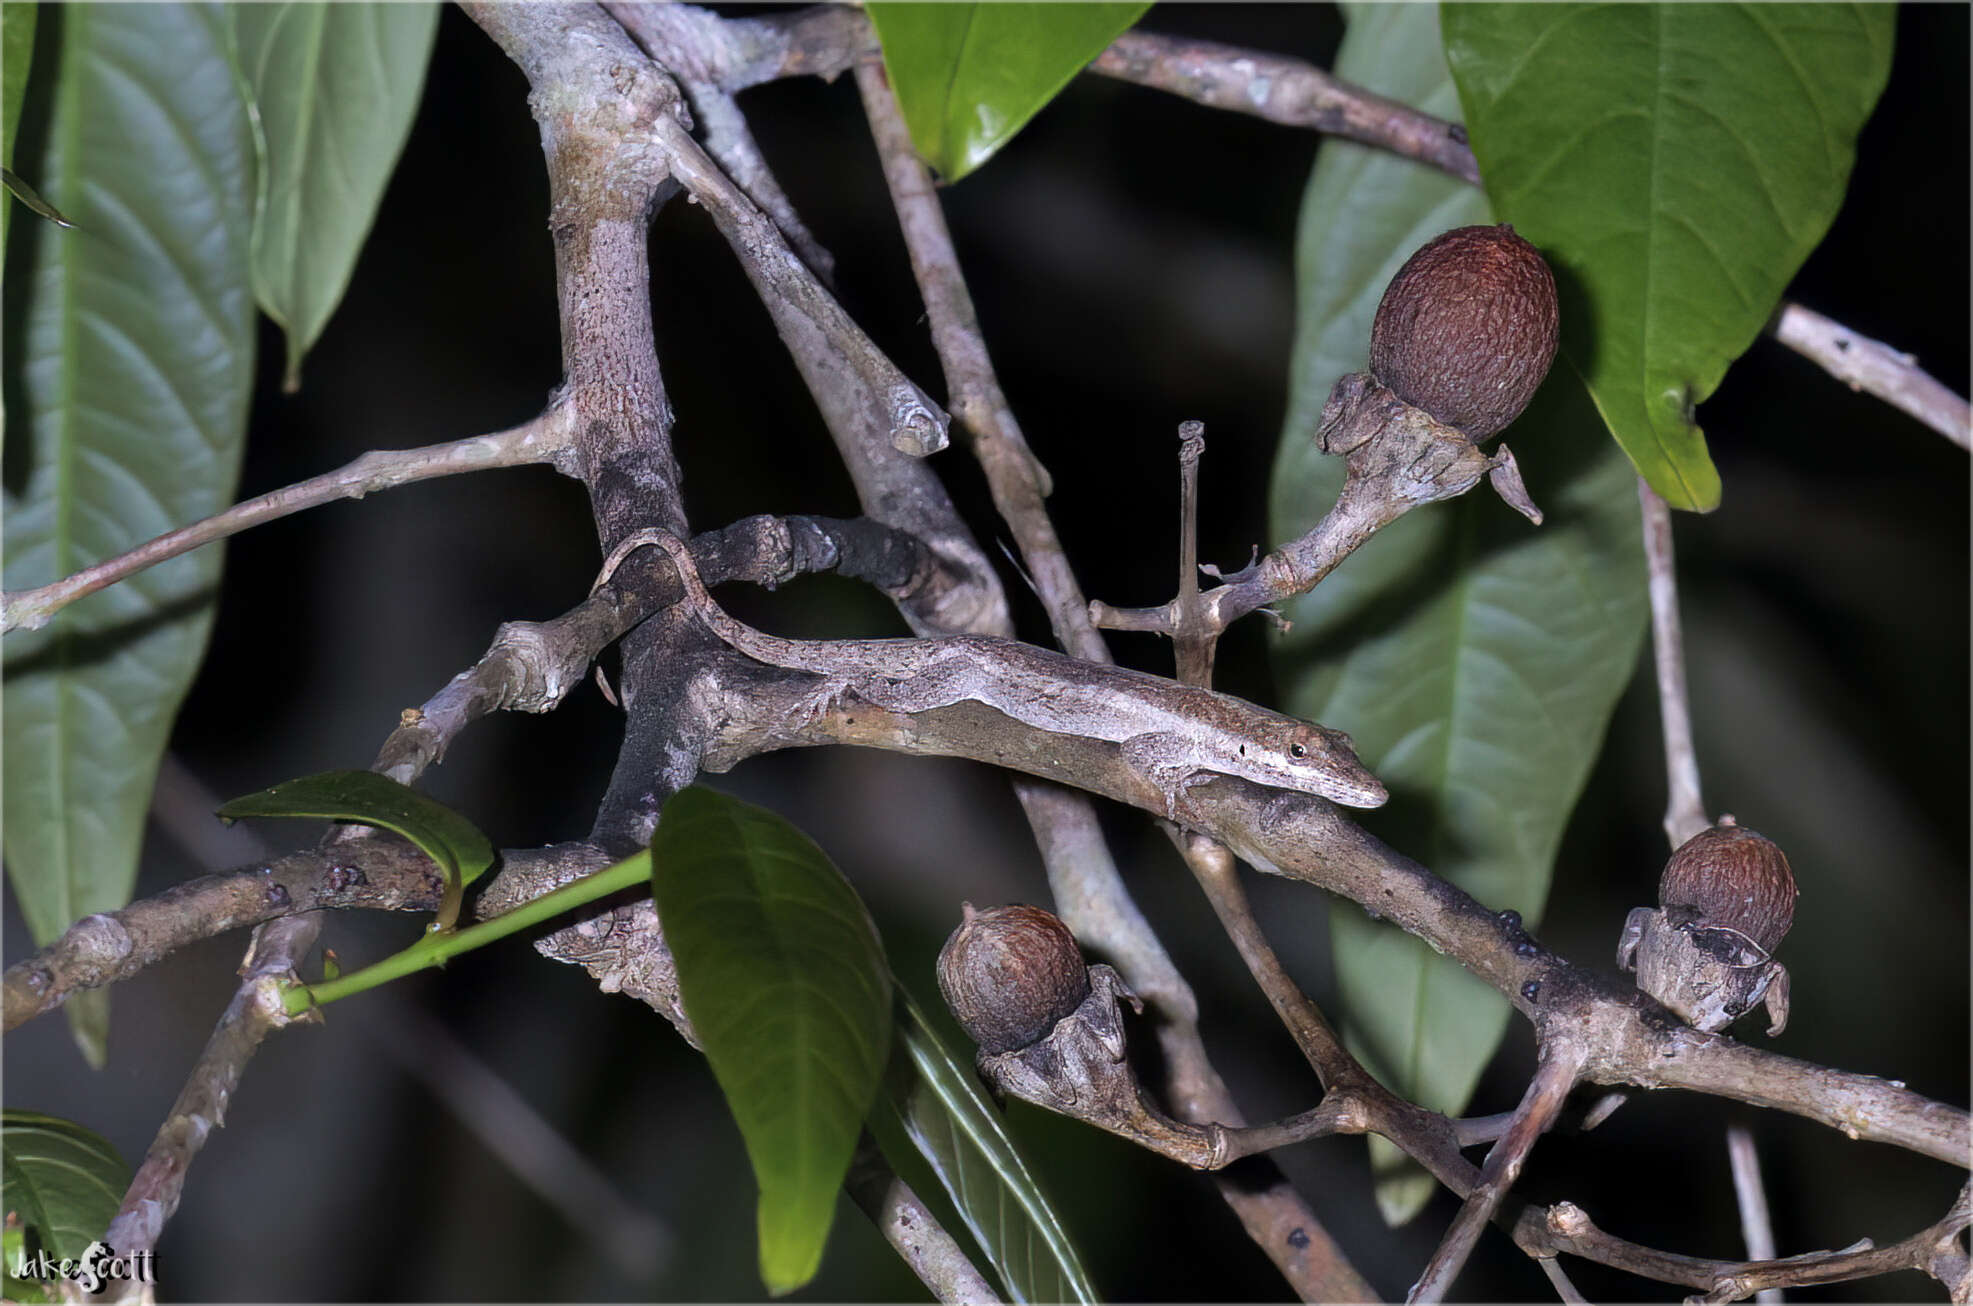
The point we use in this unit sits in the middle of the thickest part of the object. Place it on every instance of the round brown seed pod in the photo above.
(1466, 329)
(1733, 878)
(1009, 974)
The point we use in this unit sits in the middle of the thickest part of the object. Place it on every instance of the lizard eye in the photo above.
(1297, 750)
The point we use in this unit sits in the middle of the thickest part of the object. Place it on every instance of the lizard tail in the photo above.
(681, 561)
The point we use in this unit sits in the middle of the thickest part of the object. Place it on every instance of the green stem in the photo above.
(437, 949)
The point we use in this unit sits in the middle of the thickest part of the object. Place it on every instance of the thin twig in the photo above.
(1288, 91)
(1564, 1289)
(1554, 1077)
(921, 1241)
(1756, 1228)
(1193, 638)
(543, 440)
(253, 1014)
(1685, 810)
(1930, 1250)
(1874, 368)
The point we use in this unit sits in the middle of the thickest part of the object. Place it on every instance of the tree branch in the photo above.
(546, 439)
(253, 1014)
(1685, 811)
(1874, 368)
(921, 1242)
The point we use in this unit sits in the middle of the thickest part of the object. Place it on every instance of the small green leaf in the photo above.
(1476, 660)
(1676, 163)
(65, 1182)
(132, 365)
(336, 87)
(784, 980)
(16, 57)
(969, 76)
(443, 835)
(932, 1107)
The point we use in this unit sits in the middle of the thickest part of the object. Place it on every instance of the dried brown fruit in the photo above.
(1010, 974)
(1734, 879)
(1466, 329)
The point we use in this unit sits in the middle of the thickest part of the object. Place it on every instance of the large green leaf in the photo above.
(933, 1108)
(129, 363)
(784, 979)
(63, 1181)
(443, 835)
(336, 87)
(1677, 162)
(1475, 659)
(969, 76)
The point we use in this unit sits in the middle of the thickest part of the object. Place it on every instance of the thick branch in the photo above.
(1628, 1037)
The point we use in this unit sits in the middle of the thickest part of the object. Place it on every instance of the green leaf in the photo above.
(969, 76)
(784, 980)
(16, 56)
(65, 1182)
(128, 368)
(933, 1108)
(1676, 163)
(1476, 660)
(336, 87)
(13, 1249)
(443, 835)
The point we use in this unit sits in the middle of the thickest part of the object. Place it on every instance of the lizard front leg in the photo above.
(1167, 763)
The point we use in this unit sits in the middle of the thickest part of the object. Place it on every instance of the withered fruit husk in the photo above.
(1466, 329)
(1009, 974)
(1733, 878)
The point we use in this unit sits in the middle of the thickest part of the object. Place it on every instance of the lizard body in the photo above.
(1171, 734)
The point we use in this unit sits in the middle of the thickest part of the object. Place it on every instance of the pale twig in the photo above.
(1288, 91)
(1685, 811)
(689, 41)
(1874, 368)
(1194, 641)
(1083, 877)
(543, 440)
(1756, 1228)
(253, 1014)
(1564, 1289)
(917, 426)
(921, 1241)
(1554, 1077)
(1935, 1251)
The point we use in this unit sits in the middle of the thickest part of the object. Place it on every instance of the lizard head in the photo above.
(1323, 761)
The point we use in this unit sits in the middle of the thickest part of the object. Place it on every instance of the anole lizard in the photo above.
(1171, 734)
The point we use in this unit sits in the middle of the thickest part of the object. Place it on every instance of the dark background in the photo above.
(1131, 255)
